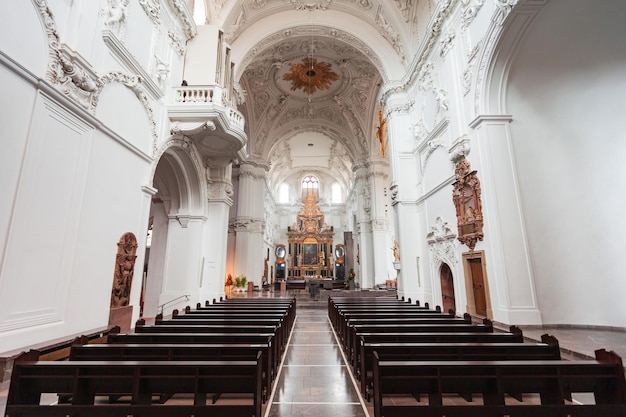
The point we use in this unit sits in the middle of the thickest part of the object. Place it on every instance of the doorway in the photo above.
(478, 301)
(447, 287)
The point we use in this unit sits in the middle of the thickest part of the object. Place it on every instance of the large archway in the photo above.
(177, 216)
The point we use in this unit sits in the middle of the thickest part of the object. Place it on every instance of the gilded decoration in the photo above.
(310, 242)
(466, 197)
(310, 75)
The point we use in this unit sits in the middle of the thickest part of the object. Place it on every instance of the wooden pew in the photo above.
(335, 309)
(548, 349)
(279, 338)
(343, 329)
(553, 380)
(514, 335)
(342, 314)
(246, 309)
(180, 352)
(83, 381)
(201, 338)
(351, 344)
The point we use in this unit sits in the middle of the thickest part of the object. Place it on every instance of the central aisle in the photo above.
(314, 380)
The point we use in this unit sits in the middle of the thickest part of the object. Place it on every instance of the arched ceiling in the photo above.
(310, 72)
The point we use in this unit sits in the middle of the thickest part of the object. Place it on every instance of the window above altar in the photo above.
(310, 185)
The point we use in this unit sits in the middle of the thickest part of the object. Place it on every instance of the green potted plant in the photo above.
(240, 282)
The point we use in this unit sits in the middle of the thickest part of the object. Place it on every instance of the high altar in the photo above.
(310, 243)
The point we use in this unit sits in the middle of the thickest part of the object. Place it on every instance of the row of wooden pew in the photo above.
(219, 359)
(402, 350)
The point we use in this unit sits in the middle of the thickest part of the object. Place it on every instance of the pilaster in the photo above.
(509, 266)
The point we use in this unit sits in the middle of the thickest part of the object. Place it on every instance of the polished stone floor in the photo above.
(314, 379)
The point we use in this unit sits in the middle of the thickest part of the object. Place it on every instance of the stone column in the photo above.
(381, 241)
(215, 236)
(250, 221)
(364, 259)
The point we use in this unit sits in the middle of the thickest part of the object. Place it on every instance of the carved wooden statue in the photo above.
(124, 270)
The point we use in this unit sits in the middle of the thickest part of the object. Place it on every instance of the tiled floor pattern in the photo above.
(314, 379)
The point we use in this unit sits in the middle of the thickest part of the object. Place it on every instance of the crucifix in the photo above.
(380, 132)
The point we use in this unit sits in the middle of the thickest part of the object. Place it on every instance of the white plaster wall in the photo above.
(16, 103)
(120, 109)
(183, 264)
(44, 223)
(566, 94)
(112, 205)
(22, 36)
(77, 192)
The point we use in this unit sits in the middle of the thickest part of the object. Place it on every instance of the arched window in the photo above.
(199, 12)
(310, 184)
(283, 193)
(335, 194)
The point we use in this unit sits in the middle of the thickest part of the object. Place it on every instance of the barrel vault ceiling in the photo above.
(310, 87)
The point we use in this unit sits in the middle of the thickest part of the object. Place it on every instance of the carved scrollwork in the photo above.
(504, 8)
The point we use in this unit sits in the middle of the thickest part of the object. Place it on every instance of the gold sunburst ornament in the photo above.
(310, 75)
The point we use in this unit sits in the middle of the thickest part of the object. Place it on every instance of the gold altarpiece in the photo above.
(310, 243)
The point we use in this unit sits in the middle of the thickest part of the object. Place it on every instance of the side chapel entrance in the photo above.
(447, 287)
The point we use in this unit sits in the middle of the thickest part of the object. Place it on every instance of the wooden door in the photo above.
(478, 286)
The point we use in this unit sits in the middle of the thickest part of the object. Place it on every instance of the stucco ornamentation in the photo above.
(470, 10)
(441, 242)
(504, 8)
(115, 17)
(152, 9)
(301, 5)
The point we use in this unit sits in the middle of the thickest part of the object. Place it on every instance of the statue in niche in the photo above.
(466, 197)
(115, 16)
(265, 268)
(124, 270)
(396, 251)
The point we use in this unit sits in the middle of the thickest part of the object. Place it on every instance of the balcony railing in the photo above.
(208, 94)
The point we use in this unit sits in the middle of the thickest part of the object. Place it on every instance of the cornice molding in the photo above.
(498, 118)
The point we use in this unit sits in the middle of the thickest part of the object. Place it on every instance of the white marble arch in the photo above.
(558, 212)
(178, 214)
(281, 24)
